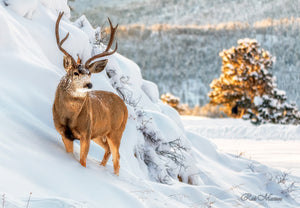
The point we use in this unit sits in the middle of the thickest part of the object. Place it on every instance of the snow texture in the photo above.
(258, 101)
(23, 8)
(156, 151)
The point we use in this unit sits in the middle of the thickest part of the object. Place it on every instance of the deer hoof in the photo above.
(83, 163)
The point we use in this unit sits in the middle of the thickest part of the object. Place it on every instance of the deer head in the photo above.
(78, 77)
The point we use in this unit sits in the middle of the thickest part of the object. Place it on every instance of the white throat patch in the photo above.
(81, 92)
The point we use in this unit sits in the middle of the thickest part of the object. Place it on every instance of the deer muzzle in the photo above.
(89, 85)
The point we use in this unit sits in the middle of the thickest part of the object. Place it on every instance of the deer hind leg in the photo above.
(68, 144)
(105, 157)
(114, 144)
(84, 150)
(103, 143)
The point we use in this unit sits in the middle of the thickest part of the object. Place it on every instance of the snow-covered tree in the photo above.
(170, 99)
(273, 108)
(246, 86)
(245, 75)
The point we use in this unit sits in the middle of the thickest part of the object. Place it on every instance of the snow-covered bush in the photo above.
(174, 102)
(170, 99)
(274, 108)
(207, 110)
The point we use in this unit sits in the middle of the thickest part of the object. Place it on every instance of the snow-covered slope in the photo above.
(32, 155)
(274, 145)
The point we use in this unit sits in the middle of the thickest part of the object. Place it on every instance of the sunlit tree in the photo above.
(247, 88)
(245, 75)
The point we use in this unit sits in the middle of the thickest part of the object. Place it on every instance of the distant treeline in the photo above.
(184, 60)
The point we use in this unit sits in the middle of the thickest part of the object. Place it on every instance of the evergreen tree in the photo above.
(246, 86)
(273, 108)
(245, 75)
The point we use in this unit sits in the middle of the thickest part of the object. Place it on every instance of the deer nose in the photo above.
(89, 85)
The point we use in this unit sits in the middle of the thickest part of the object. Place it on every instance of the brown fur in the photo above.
(99, 116)
(88, 115)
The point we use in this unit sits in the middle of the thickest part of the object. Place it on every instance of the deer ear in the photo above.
(97, 66)
(68, 64)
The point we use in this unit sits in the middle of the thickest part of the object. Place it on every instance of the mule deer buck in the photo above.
(86, 115)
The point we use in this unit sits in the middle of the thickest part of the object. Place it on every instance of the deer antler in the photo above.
(59, 43)
(105, 53)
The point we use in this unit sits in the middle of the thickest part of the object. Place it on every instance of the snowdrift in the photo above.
(238, 128)
(159, 159)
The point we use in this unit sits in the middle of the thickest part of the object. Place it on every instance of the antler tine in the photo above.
(59, 43)
(111, 40)
(112, 36)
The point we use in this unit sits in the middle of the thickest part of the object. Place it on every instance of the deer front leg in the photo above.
(84, 150)
(68, 137)
(68, 144)
(66, 140)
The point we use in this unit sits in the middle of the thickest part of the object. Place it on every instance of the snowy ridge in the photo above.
(33, 158)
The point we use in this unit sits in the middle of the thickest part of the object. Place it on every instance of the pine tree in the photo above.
(247, 86)
(274, 108)
(245, 75)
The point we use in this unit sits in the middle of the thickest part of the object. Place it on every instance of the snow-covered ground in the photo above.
(156, 150)
(277, 146)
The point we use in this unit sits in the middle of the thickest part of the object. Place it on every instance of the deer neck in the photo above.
(73, 104)
(69, 100)
(66, 86)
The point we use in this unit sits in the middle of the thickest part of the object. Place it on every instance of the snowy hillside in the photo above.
(176, 43)
(162, 164)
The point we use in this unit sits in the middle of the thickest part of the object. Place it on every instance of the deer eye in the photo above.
(76, 74)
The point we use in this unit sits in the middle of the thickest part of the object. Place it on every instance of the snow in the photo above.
(33, 158)
(281, 92)
(57, 5)
(235, 128)
(274, 145)
(23, 8)
(281, 154)
(151, 90)
(85, 26)
(258, 101)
